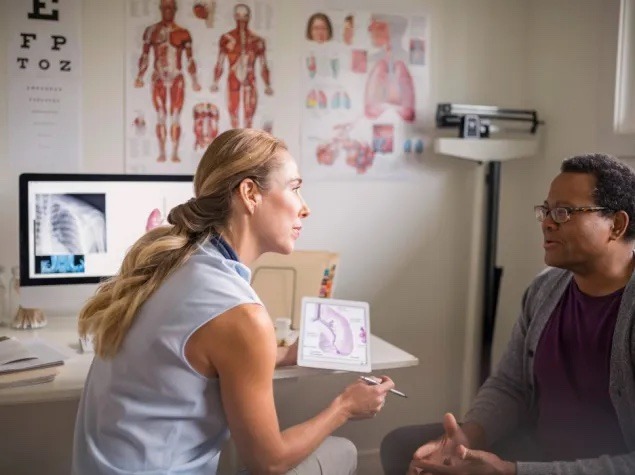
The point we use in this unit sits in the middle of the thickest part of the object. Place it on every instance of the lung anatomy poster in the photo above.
(365, 80)
(194, 68)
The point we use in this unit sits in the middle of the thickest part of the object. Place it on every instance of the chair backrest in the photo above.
(282, 280)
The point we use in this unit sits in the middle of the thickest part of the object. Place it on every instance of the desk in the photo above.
(62, 332)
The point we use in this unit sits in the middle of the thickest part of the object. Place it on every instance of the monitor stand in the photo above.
(57, 300)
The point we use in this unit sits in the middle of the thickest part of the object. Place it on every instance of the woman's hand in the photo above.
(287, 355)
(363, 401)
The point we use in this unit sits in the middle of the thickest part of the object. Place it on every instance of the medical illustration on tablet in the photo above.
(335, 334)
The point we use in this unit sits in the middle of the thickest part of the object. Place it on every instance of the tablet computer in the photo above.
(334, 334)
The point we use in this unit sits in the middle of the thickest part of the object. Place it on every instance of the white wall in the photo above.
(404, 246)
(624, 116)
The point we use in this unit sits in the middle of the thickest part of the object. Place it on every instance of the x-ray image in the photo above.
(70, 224)
(60, 264)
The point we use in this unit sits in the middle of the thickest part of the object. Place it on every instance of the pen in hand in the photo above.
(374, 382)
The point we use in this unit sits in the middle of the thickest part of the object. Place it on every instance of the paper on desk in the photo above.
(45, 355)
(12, 351)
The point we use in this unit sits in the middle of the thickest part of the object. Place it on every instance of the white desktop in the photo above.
(75, 230)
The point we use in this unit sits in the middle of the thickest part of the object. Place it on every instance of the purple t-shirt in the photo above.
(576, 417)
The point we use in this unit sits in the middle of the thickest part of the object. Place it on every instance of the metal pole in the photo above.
(492, 273)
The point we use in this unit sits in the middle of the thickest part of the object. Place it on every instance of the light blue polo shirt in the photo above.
(147, 411)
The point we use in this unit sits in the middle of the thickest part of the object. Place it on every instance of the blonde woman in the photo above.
(184, 348)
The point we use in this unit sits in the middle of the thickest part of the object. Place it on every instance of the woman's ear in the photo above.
(249, 194)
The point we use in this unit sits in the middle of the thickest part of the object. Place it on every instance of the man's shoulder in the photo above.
(548, 277)
(547, 285)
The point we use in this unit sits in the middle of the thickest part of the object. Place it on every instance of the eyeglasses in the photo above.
(562, 214)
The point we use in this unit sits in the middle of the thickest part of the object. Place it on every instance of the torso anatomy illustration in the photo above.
(241, 48)
(205, 124)
(389, 84)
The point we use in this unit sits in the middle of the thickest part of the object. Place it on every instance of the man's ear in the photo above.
(620, 224)
(249, 195)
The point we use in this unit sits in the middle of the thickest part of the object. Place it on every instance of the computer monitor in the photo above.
(75, 230)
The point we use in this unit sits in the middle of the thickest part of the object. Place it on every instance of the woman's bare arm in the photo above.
(240, 347)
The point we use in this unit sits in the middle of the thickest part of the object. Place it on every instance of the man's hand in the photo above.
(138, 82)
(214, 87)
(466, 461)
(441, 451)
(196, 86)
(268, 90)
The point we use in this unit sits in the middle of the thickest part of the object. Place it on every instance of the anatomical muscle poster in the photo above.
(365, 85)
(194, 68)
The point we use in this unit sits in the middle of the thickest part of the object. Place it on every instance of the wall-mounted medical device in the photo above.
(481, 121)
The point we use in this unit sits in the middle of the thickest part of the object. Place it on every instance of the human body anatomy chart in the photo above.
(194, 69)
(365, 83)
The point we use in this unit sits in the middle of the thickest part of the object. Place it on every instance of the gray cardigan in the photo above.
(508, 396)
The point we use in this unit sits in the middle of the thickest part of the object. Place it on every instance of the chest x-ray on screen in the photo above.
(69, 224)
(76, 229)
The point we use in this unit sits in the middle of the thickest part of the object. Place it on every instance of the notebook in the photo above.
(334, 334)
(19, 355)
(28, 377)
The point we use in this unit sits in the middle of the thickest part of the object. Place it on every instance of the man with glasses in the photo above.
(567, 378)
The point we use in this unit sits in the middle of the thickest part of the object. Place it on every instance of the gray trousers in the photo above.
(335, 456)
(398, 447)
